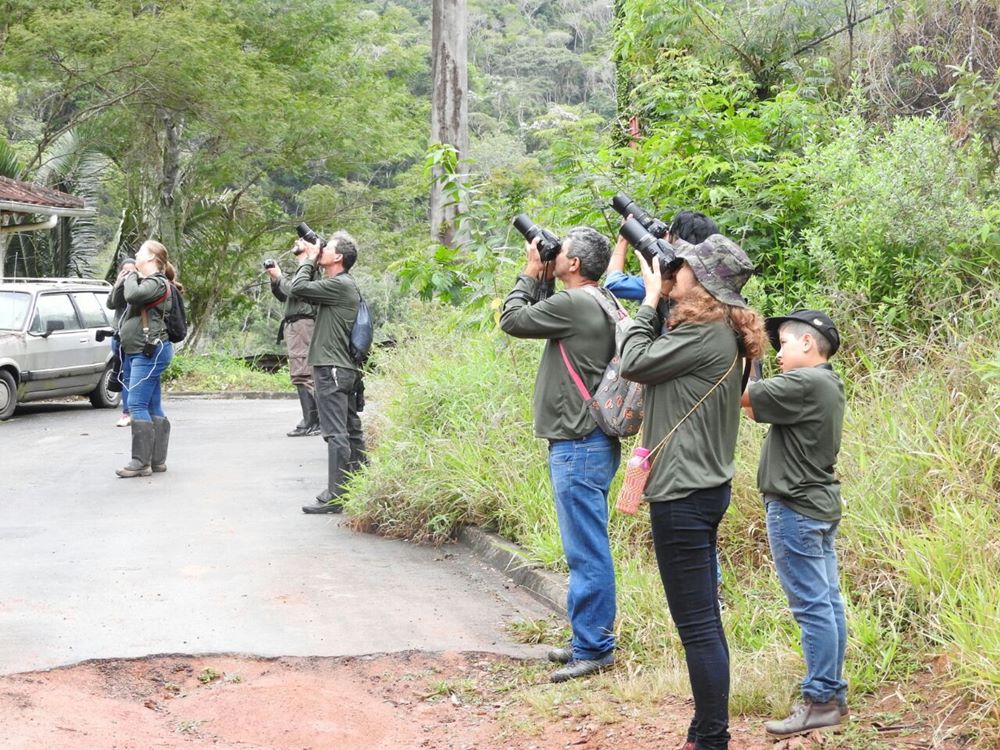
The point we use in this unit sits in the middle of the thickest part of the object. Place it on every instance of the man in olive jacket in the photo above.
(337, 378)
(582, 459)
(297, 331)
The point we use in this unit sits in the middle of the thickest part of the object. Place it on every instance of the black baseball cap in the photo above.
(818, 320)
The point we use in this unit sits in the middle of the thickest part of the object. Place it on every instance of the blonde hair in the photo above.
(159, 252)
(698, 306)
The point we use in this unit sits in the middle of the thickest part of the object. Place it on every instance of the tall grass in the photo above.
(920, 466)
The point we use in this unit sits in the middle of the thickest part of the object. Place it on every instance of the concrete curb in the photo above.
(549, 588)
(234, 395)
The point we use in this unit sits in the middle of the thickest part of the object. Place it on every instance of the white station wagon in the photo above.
(49, 344)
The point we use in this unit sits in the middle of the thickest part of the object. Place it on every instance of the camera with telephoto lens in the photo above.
(548, 243)
(651, 247)
(104, 333)
(269, 263)
(625, 206)
(309, 236)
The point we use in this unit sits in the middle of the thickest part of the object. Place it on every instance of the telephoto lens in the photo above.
(650, 247)
(548, 244)
(309, 236)
(625, 206)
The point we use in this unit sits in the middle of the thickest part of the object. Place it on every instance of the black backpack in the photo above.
(175, 319)
(362, 333)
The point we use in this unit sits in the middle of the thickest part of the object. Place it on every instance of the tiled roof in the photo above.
(36, 195)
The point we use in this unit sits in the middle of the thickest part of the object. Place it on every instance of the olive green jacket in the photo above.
(134, 293)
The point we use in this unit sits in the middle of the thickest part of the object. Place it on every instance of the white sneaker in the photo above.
(124, 420)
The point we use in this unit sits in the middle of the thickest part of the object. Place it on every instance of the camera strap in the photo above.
(145, 317)
(655, 451)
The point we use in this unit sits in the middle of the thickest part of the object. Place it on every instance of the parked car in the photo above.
(49, 345)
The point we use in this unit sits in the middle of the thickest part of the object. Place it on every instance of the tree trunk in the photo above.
(449, 107)
(166, 219)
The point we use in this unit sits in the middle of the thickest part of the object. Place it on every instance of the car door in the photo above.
(58, 358)
(93, 314)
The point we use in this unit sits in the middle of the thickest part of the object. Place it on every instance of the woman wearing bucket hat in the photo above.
(692, 378)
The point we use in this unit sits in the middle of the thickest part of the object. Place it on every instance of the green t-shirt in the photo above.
(805, 408)
(336, 299)
(678, 368)
(588, 335)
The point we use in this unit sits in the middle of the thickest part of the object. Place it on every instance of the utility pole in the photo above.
(449, 106)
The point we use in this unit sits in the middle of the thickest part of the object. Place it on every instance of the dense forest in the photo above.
(852, 147)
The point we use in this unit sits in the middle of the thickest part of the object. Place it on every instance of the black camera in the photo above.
(650, 247)
(548, 243)
(625, 206)
(269, 263)
(309, 236)
(103, 333)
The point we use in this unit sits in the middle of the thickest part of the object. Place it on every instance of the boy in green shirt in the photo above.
(805, 407)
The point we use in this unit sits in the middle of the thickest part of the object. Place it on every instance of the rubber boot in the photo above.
(309, 416)
(142, 452)
(326, 501)
(310, 411)
(161, 440)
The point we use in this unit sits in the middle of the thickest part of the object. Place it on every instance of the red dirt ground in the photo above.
(407, 700)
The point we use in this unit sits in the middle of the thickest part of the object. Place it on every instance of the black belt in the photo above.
(291, 319)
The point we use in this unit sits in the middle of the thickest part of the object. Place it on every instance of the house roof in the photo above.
(28, 198)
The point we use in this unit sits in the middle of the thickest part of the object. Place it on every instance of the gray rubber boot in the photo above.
(142, 452)
(161, 441)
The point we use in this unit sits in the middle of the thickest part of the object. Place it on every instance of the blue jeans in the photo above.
(123, 373)
(144, 382)
(581, 472)
(685, 535)
(806, 561)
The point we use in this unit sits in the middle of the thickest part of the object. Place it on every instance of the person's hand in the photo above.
(652, 279)
(274, 272)
(127, 268)
(534, 266)
(309, 251)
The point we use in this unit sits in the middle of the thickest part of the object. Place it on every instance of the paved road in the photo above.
(214, 555)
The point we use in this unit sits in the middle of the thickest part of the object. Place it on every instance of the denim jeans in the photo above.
(804, 555)
(581, 472)
(684, 539)
(144, 382)
(123, 372)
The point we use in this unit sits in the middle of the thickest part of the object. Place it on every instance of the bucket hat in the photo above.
(815, 318)
(720, 265)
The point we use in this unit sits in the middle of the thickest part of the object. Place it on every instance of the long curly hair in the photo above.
(698, 306)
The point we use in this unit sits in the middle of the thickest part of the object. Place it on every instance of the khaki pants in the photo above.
(298, 335)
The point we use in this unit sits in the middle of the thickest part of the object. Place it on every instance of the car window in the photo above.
(14, 308)
(91, 309)
(54, 307)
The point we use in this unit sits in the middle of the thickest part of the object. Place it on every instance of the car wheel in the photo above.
(102, 397)
(8, 395)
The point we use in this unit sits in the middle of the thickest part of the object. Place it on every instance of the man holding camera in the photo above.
(582, 459)
(336, 376)
(297, 331)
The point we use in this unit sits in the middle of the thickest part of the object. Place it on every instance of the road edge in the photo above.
(547, 587)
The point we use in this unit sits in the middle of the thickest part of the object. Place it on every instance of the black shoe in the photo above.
(561, 655)
(323, 508)
(299, 431)
(582, 668)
